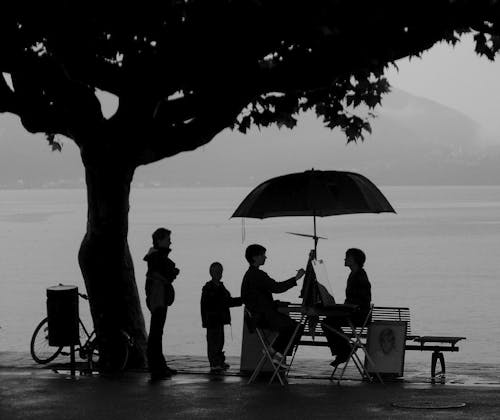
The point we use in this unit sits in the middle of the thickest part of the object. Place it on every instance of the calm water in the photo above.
(439, 255)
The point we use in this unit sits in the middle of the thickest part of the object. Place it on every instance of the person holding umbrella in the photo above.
(257, 290)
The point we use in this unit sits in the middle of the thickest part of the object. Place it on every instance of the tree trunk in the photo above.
(107, 266)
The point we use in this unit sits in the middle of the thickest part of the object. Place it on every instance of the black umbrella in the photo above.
(313, 193)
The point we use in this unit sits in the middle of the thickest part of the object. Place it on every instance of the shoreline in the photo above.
(227, 187)
(304, 369)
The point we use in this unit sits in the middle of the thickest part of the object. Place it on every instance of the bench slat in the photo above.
(381, 313)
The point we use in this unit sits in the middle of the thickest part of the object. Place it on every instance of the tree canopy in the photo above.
(183, 70)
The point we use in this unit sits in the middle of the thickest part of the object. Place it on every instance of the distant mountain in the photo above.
(414, 141)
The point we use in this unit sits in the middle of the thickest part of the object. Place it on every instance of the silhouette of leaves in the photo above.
(53, 143)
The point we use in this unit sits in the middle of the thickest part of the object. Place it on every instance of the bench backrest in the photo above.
(380, 313)
(389, 313)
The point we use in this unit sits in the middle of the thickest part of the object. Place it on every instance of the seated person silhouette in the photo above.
(257, 290)
(358, 292)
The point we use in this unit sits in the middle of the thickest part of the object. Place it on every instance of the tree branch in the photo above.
(50, 102)
(211, 117)
(8, 101)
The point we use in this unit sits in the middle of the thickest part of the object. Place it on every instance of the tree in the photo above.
(187, 69)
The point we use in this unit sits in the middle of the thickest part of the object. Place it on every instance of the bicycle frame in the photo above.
(90, 337)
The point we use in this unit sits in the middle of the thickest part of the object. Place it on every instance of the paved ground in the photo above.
(29, 392)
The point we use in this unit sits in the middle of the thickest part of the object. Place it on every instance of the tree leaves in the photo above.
(273, 58)
(486, 45)
(53, 143)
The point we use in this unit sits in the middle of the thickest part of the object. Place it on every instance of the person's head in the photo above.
(216, 271)
(255, 254)
(354, 258)
(387, 340)
(161, 238)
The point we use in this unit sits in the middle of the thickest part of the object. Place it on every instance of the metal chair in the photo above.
(278, 371)
(356, 343)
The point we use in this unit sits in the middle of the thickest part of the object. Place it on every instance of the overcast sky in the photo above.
(456, 77)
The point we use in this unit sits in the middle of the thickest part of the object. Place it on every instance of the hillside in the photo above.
(414, 141)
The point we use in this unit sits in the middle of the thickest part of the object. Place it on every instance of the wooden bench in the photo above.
(436, 344)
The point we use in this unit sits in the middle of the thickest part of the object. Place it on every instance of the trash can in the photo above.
(62, 314)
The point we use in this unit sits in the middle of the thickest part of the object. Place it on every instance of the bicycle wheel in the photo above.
(40, 350)
(121, 355)
(93, 355)
(115, 362)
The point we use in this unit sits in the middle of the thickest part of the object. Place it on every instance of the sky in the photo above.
(456, 77)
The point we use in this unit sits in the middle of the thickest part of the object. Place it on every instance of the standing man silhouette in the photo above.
(159, 296)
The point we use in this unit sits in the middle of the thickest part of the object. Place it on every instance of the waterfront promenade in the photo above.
(29, 391)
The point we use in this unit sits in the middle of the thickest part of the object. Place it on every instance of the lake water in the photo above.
(439, 255)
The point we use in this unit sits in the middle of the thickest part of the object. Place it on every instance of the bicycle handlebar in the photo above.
(82, 295)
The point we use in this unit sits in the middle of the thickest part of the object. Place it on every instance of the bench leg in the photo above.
(437, 355)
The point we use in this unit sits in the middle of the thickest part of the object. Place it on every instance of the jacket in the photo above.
(159, 277)
(215, 303)
(358, 292)
(257, 290)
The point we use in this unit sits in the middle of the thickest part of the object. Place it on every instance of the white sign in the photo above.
(325, 290)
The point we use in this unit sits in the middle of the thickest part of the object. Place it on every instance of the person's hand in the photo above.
(299, 274)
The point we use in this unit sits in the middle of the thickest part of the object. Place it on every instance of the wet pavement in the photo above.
(29, 391)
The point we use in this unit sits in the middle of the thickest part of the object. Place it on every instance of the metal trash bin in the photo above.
(63, 316)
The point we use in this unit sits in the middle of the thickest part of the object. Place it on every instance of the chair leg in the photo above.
(371, 362)
(357, 362)
(266, 356)
(359, 366)
(358, 344)
(363, 371)
(332, 376)
(277, 368)
(296, 347)
(257, 369)
(343, 370)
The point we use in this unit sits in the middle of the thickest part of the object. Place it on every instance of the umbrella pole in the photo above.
(315, 236)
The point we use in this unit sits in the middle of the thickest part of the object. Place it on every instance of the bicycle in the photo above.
(87, 348)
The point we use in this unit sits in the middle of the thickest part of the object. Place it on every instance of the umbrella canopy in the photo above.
(314, 193)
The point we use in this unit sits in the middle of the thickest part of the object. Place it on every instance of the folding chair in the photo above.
(356, 344)
(266, 353)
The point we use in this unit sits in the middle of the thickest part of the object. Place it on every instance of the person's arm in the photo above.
(171, 271)
(235, 301)
(281, 286)
(204, 308)
(157, 295)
